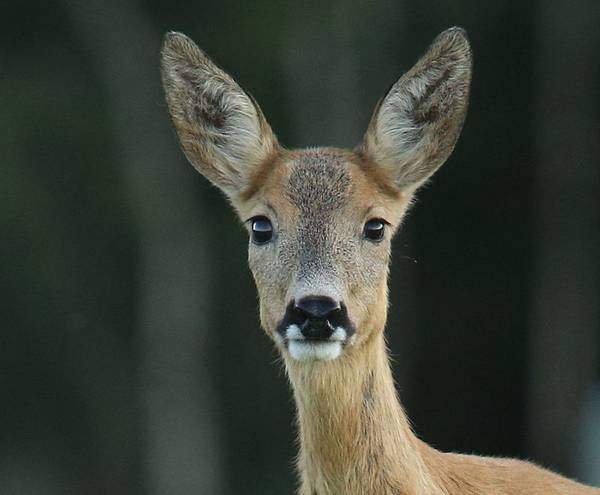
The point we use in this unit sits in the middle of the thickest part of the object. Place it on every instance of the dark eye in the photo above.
(374, 230)
(262, 230)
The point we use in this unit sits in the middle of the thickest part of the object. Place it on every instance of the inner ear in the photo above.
(222, 130)
(416, 125)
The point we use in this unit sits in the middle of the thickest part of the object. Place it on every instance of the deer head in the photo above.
(320, 221)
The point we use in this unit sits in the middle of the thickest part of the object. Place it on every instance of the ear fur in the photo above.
(221, 129)
(416, 125)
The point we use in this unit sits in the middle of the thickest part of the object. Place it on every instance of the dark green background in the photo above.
(131, 359)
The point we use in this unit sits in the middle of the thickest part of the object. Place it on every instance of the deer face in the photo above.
(320, 231)
(320, 221)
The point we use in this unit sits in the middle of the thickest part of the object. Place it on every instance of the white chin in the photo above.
(303, 350)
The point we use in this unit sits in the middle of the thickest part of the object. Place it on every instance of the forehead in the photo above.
(321, 182)
(318, 181)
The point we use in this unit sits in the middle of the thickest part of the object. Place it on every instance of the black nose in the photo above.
(317, 307)
(316, 317)
(318, 311)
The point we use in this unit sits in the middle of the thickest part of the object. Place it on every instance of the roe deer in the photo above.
(320, 223)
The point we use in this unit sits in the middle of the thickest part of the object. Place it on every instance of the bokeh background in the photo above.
(131, 359)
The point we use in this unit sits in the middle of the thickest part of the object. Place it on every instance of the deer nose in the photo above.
(316, 307)
(318, 312)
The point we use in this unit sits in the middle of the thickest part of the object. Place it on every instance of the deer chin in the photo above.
(303, 349)
(314, 350)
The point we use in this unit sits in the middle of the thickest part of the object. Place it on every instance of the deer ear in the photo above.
(415, 126)
(221, 129)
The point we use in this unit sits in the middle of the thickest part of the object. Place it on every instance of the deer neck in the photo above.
(355, 437)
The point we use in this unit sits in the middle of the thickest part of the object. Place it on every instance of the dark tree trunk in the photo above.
(564, 345)
(180, 441)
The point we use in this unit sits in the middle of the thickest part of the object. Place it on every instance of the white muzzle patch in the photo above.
(314, 350)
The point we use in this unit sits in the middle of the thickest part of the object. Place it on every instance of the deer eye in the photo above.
(374, 230)
(262, 230)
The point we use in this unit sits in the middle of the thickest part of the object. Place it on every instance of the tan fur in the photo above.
(354, 435)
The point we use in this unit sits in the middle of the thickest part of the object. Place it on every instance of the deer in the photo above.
(320, 223)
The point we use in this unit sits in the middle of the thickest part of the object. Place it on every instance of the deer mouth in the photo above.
(302, 348)
(311, 336)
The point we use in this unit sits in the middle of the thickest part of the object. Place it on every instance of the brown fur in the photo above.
(354, 435)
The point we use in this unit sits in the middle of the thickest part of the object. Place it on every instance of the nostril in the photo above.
(317, 307)
(315, 318)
